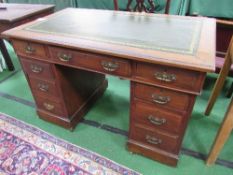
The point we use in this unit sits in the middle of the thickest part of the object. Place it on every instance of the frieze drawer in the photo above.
(154, 117)
(155, 138)
(170, 77)
(37, 68)
(173, 100)
(96, 62)
(30, 49)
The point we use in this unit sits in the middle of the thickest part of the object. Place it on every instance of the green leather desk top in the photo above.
(149, 32)
(168, 39)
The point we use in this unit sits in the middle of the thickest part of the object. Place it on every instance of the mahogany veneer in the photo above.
(66, 68)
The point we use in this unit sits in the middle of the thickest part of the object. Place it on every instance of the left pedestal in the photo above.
(62, 94)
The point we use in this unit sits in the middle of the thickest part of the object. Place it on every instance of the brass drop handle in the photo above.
(110, 66)
(48, 106)
(160, 99)
(29, 49)
(36, 69)
(164, 76)
(64, 57)
(153, 140)
(43, 87)
(156, 120)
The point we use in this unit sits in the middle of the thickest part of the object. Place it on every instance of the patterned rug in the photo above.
(26, 150)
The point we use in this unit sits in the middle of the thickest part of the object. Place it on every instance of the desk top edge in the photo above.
(83, 45)
(37, 8)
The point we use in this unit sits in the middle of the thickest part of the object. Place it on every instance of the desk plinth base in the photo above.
(73, 120)
(153, 153)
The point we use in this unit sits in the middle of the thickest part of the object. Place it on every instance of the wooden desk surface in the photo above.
(186, 42)
(16, 12)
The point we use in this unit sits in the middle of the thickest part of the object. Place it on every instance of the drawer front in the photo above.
(29, 49)
(170, 77)
(153, 117)
(90, 61)
(155, 139)
(37, 68)
(163, 97)
(43, 87)
(51, 106)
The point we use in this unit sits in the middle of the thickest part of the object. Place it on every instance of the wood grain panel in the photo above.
(37, 68)
(30, 49)
(96, 62)
(162, 98)
(155, 138)
(154, 117)
(169, 77)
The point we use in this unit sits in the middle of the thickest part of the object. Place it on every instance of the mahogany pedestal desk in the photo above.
(65, 57)
(12, 15)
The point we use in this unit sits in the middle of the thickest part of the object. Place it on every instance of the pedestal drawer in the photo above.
(29, 49)
(43, 87)
(37, 68)
(51, 106)
(155, 138)
(170, 77)
(154, 117)
(96, 62)
(162, 97)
